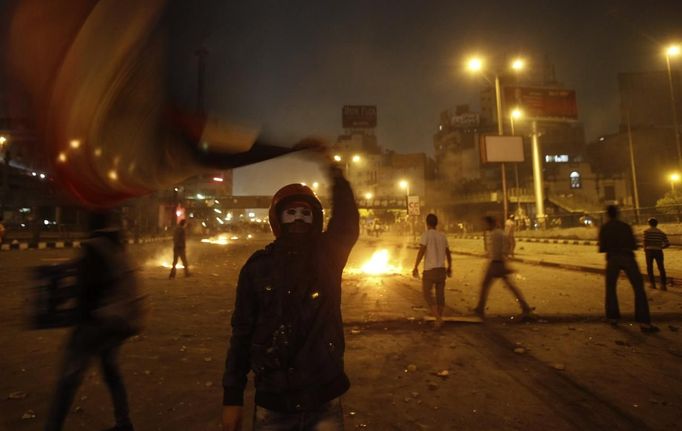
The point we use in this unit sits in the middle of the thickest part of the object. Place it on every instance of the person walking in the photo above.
(434, 248)
(618, 242)
(179, 249)
(108, 312)
(287, 325)
(510, 232)
(497, 268)
(655, 240)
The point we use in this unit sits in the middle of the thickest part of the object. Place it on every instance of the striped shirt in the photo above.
(655, 239)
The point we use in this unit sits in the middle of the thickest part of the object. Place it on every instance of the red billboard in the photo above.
(359, 116)
(543, 102)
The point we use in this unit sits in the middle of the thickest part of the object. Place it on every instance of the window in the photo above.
(556, 158)
(576, 183)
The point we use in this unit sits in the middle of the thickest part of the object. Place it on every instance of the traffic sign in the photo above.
(413, 205)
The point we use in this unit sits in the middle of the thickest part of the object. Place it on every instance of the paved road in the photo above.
(567, 372)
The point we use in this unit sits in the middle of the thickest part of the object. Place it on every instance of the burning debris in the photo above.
(379, 264)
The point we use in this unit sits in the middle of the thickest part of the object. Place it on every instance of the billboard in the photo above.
(359, 116)
(465, 120)
(413, 205)
(501, 149)
(543, 102)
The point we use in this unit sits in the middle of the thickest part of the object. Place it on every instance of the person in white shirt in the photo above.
(497, 268)
(435, 251)
(509, 231)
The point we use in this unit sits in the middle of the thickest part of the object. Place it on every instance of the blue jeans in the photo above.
(329, 417)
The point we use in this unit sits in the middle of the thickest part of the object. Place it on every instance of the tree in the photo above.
(670, 203)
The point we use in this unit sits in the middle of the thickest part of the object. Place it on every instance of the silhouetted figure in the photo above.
(179, 248)
(433, 247)
(655, 240)
(510, 233)
(618, 242)
(497, 268)
(108, 312)
(287, 324)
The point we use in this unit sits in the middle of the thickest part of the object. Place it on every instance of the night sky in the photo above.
(289, 66)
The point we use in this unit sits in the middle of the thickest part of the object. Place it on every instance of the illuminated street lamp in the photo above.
(674, 178)
(671, 52)
(405, 185)
(337, 158)
(356, 158)
(476, 65)
(515, 115)
(369, 195)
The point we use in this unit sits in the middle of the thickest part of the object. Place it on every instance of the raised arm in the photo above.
(344, 224)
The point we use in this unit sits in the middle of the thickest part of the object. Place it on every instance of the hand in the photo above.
(232, 418)
(449, 272)
(415, 273)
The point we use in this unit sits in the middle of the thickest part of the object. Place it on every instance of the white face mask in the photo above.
(292, 214)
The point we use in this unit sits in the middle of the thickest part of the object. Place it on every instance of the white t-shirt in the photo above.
(435, 243)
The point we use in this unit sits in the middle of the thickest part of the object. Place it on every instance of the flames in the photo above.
(221, 239)
(378, 264)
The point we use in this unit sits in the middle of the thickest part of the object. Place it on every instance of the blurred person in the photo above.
(509, 232)
(655, 240)
(179, 248)
(286, 324)
(618, 242)
(434, 248)
(497, 268)
(108, 311)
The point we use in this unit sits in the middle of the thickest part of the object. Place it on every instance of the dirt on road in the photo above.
(568, 371)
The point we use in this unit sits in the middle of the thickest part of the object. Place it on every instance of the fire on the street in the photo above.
(379, 264)
(218, 239)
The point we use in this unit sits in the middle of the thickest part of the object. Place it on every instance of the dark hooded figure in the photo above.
(108, 312)
(286, 325)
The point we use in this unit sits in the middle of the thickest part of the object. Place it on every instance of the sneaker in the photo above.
(649, 329)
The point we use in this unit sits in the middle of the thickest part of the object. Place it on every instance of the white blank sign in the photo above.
(501, 149)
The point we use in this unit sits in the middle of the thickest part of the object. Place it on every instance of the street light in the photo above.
(337, 158)
(405, 185)
(368, 196)
(475, 65)
(515, 115)
(356, 158)
(673, 51)
(674, 178)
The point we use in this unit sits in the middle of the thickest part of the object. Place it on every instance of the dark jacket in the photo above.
(616, 239)
(287, 324)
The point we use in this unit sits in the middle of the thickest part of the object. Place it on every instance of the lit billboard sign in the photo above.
(359, 116)
(543, 102)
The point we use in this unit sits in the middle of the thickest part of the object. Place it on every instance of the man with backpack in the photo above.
(108, 311)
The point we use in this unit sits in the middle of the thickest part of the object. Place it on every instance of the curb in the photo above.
(51, 245)
(541, 240)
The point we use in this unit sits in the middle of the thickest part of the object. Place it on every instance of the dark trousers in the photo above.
(329, 417)
(434, 278)
(614, 264)
(651, 256)
(84, 344)
(179, 253)
(498, 269)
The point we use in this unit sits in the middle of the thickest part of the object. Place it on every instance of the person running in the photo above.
(179, 248)
(287, 325)
(655, 240)
(497, 268)
(618, 242)
(433, 247)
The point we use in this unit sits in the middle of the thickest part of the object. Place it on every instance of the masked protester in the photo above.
(287, 324)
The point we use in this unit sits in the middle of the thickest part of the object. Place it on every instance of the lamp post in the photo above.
(674, 178)
(516, 114)
(476, 65)
(405, 185)
(674, 51)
